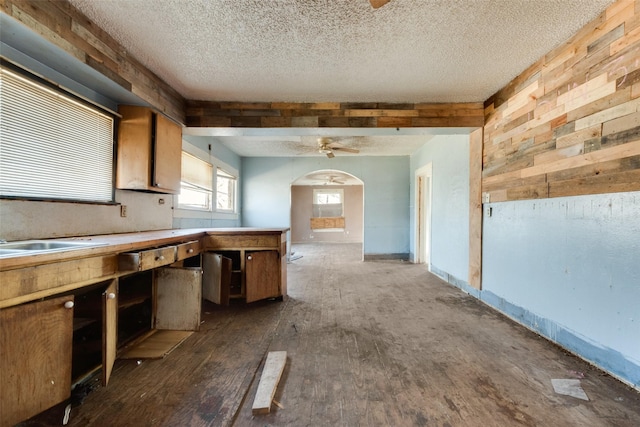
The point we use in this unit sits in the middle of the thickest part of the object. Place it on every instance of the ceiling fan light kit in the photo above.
(326, 146)
(378, 3)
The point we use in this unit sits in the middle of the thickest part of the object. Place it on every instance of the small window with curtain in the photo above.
(54, 145)
(225, 191)
(196, 187)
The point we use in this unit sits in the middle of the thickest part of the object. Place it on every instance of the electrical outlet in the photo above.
(123, 211)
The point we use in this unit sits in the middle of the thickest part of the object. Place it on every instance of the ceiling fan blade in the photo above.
(346, 149)
(330, 155)
(338, 146)
(378, 3)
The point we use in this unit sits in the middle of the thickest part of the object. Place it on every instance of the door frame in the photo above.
(423, 208)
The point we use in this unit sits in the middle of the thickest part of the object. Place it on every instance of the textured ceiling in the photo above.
(339, 50)
(307, 146)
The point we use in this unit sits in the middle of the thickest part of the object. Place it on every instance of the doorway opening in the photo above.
(327, 207)
(423, 186)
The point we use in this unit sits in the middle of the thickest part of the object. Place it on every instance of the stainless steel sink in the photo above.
(34, 247)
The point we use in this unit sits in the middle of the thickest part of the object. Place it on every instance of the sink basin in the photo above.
(34, 247)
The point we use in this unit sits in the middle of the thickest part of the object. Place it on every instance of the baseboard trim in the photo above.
(380, 257)
(604, 358)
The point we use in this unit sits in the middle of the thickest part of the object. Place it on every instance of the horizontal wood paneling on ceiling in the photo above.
(333, 114)
(570, 124)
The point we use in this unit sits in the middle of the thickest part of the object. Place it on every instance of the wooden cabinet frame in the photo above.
(174, 302)
(262, 260)
(149, 151)
(35, 355)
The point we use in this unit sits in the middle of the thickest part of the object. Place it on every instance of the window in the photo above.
(206, 185)
(225, 191)
(196, 187)
(54, 146)
(327, 203)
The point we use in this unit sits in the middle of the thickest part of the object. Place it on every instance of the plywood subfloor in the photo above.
(369, 344)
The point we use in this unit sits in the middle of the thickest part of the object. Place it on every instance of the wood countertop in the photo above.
(29, 277)
(126, 242)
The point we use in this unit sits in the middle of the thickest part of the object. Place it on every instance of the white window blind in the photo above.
(196, 188)
(52, 146)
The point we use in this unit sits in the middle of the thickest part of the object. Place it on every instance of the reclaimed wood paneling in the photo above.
(61, 24)
(475, 209)
(570, 124)
(332, 114)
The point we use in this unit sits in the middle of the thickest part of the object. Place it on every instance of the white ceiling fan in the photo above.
(327, 146)
(327, 179)
(331, 179)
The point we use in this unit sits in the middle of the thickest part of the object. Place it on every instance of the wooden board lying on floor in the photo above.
(157, 345)
(271, 374)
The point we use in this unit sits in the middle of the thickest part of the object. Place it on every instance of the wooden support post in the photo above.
(475, 208)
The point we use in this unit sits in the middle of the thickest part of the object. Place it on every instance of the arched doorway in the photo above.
(327, 206)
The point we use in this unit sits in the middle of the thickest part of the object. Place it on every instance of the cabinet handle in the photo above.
(190, 251)
(160, 258)
(68, 304)
(249, 257)
(111, 295)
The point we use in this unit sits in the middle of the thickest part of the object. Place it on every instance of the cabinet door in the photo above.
(167, 156)
(109, 330)
(262, 275)
(216, 278)
(133, 165)
(35, 356)
(177, 298)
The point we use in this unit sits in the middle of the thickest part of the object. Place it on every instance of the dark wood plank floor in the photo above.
(369, 344)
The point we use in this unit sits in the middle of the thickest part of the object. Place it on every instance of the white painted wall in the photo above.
(450, 203)
(266, 195)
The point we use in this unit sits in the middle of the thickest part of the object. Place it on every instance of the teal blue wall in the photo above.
(449, 156)
(266, 192)
(569, 268)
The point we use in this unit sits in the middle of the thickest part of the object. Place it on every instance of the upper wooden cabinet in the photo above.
(149, 151)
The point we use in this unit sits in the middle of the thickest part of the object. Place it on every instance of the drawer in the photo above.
(242, 241)
(187, 250)
(146, 259)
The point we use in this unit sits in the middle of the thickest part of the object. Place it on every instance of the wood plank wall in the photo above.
(61, 24)
(570, 124)
(475, 208)
(333, 114)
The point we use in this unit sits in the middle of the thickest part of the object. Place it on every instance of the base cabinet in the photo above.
(94, 331)
(152, 296)
(250, 274)
(177, 298)
(35, 358)
(262, 275)
(154, 302)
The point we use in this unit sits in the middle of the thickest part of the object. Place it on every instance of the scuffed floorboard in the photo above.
(380, 343)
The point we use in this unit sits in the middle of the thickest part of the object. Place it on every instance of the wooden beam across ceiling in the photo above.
(333, 114)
